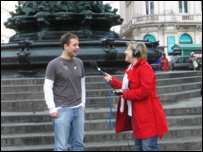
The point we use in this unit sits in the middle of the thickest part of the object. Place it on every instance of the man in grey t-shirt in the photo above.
(64, 90)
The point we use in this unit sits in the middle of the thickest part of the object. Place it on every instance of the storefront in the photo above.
(186, 49)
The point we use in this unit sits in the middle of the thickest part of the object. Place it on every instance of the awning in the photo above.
(187, 47)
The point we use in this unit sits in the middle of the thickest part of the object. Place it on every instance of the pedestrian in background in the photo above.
(139, 108)
(64, 90)
(164, 64)
(193, 65)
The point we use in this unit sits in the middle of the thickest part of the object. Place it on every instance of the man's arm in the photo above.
(49, 95)
(83, 92)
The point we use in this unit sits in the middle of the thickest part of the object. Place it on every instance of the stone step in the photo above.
(98, 78)
(162, 82)
(177, 88)
(29, 126)
(98, 92)
(175, 74)
(98, 101)
(40, 105)
(26, 124)
(97, 124)
(21, 81)
(28, 105)
(188, 106)
(172, 121)
(44, 138)
(40, 81)
(183, 80)
(96, 85)
(168, 98)
(165, 145)
(180, 144)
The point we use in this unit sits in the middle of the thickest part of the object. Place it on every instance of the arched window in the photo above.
(150, 38)
(185, 39)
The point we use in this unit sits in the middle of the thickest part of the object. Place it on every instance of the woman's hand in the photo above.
(108, 77)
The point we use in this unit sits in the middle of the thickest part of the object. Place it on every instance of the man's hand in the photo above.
(83, 108)
(54, 115)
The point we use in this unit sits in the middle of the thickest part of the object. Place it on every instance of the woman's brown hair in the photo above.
(142, 48)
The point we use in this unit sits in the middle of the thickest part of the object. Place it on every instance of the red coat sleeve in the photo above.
(116, 84)
(144, 85)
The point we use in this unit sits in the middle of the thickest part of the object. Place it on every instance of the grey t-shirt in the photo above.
(66, 75)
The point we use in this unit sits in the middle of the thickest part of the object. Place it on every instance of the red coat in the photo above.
(149, 118)
(164, 62)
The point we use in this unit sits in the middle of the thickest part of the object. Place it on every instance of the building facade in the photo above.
(170, 22)
(6, 7)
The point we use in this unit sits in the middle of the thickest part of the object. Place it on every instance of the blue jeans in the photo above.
(148, 144)
(69, 126)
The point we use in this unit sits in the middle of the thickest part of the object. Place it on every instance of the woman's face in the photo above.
(129, 55)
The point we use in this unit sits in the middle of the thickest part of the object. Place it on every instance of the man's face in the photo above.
(72, 48)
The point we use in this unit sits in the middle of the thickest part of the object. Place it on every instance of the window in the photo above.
(186, 60)
(180, 60)
(170, 44)
(150, 38)
(149, 7)
(183, 7)
(185, 39)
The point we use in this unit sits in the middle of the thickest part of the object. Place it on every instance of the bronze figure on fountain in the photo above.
(48, 20)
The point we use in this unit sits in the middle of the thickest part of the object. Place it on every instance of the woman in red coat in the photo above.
(139, 108)
(164, 64)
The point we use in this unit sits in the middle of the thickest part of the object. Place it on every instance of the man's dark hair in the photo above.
(65, 39)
